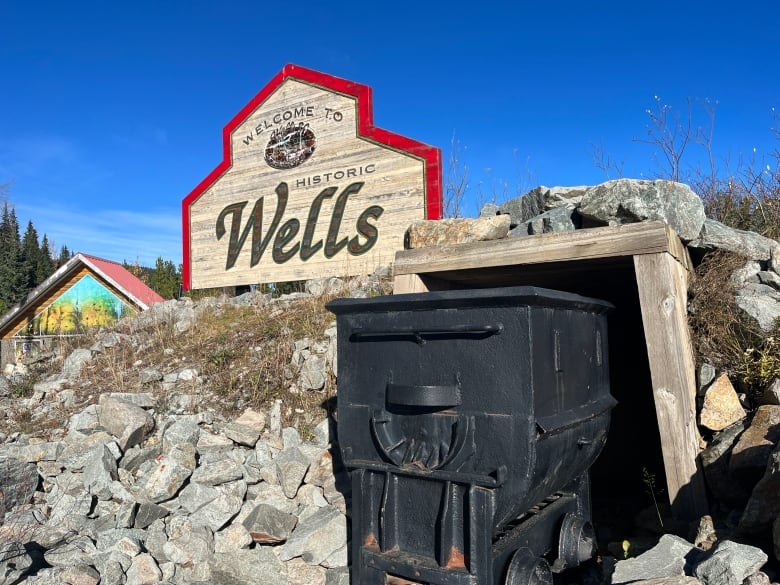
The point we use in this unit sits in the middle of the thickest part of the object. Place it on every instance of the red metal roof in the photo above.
(122, 279)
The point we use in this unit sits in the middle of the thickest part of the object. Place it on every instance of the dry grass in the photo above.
(720, 331)
(246, 353)
(242, 354)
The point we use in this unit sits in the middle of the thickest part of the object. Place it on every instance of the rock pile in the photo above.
(137, 488)
(136, 494)
(561, 209)
(142, 487)
(675, 560)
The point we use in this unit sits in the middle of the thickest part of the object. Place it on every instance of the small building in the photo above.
(84, 293)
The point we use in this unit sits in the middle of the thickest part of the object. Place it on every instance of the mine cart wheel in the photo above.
(527, 569)
(577, 542)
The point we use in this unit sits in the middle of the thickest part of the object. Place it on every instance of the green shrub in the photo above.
(759, 366)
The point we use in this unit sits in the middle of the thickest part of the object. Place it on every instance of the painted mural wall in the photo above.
(85, 305)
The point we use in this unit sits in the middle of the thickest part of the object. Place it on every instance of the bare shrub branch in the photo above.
(456, 184)
(604, 162)
(670, 134)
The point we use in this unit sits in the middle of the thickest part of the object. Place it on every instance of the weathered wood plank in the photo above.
(344, 212)
(626, 240)
(662, 284)
(408, 283)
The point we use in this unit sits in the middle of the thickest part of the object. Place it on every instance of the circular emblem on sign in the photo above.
(290, 146)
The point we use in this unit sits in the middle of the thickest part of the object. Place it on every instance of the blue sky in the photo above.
(112, 112)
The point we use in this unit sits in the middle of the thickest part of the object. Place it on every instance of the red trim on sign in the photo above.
(366, 129)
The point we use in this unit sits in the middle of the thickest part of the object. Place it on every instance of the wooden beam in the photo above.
(662, 284)
(604, 242)
(408, 283)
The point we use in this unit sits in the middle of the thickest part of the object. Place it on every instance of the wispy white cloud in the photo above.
(59, 186)
(48, 164)
(28, 156)
(112, 234)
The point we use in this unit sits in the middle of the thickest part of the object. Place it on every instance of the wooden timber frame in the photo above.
(650, 253)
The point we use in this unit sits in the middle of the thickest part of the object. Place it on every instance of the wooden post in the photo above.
(662, 284)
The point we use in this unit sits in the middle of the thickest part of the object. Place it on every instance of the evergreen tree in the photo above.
(31, 256)
(165, 279)
(24, 264)
(65, 255)
(12, 286)
(45, 266)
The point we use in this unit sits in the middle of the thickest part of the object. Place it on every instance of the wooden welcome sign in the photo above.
(307, 187)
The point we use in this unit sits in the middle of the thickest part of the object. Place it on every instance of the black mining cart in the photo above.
(468, 421)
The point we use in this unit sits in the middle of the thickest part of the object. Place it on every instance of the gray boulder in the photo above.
(188, 544)
(147, 513)
(241, 434)
(715, 458)
(316, 537)
(149, 375)
(630, 201)
(143, 570)
(269, 525)
(536, 202)
(756, 294)
(142, 399)
(561, 219)
(338, 576)
(424, 233)
(79, 575)
(129, 423)
(77, 551)
(170, 473)
(218, 512)
(729, 563)
(71, 368)
(321, 286)
(181, 431)
(14, 562)
(760, 302)
(313, 373)
(247, 567)
(717, 236)
(69, 512)
(669, 558)
(291, 468)
(215, 469)
(232, 538)
(18, 482)
(196, 495)
(100, 471)
(78, 449)
(301, 573)
(34, 452)
(112, 566)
